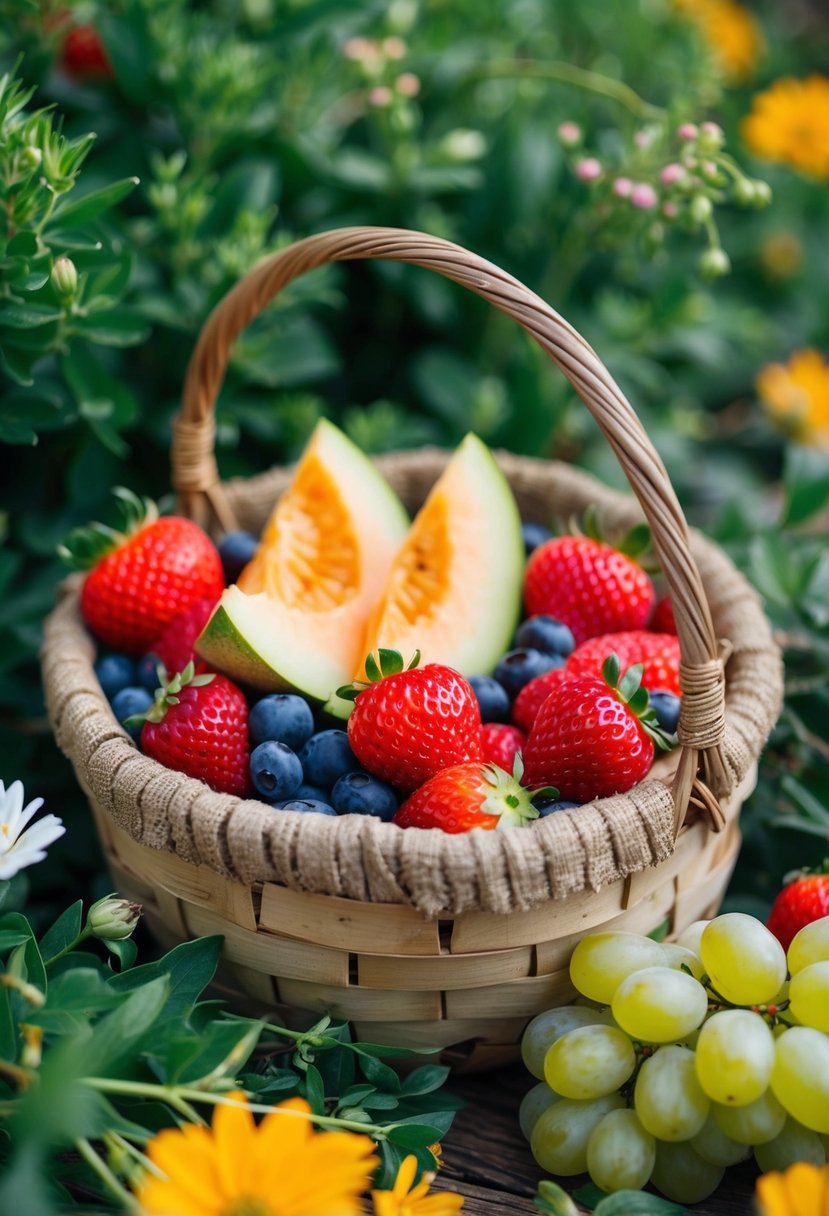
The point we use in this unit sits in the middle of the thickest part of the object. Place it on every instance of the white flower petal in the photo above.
(12, 806)
(9, 866)
(39, 835)
(25, 815)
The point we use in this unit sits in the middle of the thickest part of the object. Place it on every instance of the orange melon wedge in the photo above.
(454, 590)
(297, 617)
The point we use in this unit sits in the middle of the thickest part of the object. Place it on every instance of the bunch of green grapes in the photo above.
(684, 1058)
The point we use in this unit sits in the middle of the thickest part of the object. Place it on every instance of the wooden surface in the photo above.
(487, 1159)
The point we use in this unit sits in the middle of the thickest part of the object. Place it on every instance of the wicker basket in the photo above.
(417, 937)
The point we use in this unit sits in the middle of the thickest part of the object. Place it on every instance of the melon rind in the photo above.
(474, 624)
(261, 641)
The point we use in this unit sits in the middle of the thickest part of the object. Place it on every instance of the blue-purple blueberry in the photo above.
(361, 794)
(275, 770)
(519, 666)
(492, 697)
(546, 634)
(284, 717)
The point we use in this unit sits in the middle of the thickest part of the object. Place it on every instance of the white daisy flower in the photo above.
(19, 849)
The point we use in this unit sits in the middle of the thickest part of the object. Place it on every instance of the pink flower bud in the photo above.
(407, 84)
(569, 134)
(644, 196)
(687, 130)
(712, 129)
(358, 48)
(709, 168)
(380, 95)
(589, 169)
(672, 174)
(622, 187)
(394, 47)
(670, 210)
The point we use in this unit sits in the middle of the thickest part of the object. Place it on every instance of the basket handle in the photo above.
(195, 474)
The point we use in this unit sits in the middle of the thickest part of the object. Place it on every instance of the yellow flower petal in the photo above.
(803, 1190)
(405, 1177)
(796, 394)
(233, 1131)
(186, 1157)
(789, 122)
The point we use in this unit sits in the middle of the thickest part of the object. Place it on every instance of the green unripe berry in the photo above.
(714, 263)
(762, 193)
(701, 209)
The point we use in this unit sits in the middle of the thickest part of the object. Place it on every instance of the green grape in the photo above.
(602, 960)
(809, 945)
(809, 996)
(534, 1102)
(745, 963)
(548, 1027)
(690, 937)
(589, 1062)
(561, 1132)
(800, 1077)
(658, 1005)
(680, 958)
(713, 1145)
(668, 1097)
(682, 1175)
(795, 1143)
(620, 1153)
(734, 1057)
(756, 1123)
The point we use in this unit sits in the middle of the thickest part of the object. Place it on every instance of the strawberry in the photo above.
(533, 695)
(141, 578)
(590, 586)
(175, 647)
(802, 900)
(595, 737)
(501, 743)
(657, 652)
(82, 54)
(662, 617)
(472, 795)
(407, 725)
(198, 725)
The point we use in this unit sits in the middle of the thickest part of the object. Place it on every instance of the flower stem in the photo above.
(561, 72)
(174, 1095)
(107, 1177)
(76, 941)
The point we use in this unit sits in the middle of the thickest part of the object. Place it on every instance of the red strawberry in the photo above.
(142, 578)
(588, 585)
(501, 744)
(798, 904)
(408, 725)
(595, 737)
(533, 695)
(199, 725)
(662, 618)
(473, 795)
(175, 647)
(83, 56)
(657, 652)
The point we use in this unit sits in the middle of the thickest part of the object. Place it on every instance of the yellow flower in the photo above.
(789, 122)
(407, 1200)
(802, 1191)
(796, 394)
(282, 1167)
(731, 32)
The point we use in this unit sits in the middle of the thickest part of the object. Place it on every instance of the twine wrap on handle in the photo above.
(358, 857)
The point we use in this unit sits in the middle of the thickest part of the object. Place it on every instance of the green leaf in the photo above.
(552, 1200)
(81, 990)
(25, 962)
(190, 968)
(378, 1073)
(636, 1203)
(424, 1080)
(125, 951)
(413, 1135)
(314, 1090)
(806, 480)
(391, 661)
(379, 1101)
(8, 1033)
(190, 1059)
(27, 316)
(11, 937)
(81, 210)
(65, 930)
(119, 327)
(117, 1037)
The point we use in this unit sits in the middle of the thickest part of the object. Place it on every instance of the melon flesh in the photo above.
(297, 617)
(454, 591)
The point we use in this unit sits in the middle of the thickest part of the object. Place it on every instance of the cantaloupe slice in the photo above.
(454, 591)
(297, 617)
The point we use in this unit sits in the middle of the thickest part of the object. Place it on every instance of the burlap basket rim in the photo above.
(359, 857)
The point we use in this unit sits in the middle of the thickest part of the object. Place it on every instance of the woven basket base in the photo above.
(465, 985)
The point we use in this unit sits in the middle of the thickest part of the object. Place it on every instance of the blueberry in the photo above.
(549, 806)
(236, 549)
(326, 757)
(310, 792)
(360, 794)
(275, 770)
(546, 634)
(114, 672)
(131, 701)
(666, 707)
(518, 667)
(492, 697)
(147, 672)
(534, 535)
(282, 716)
(306, 804)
